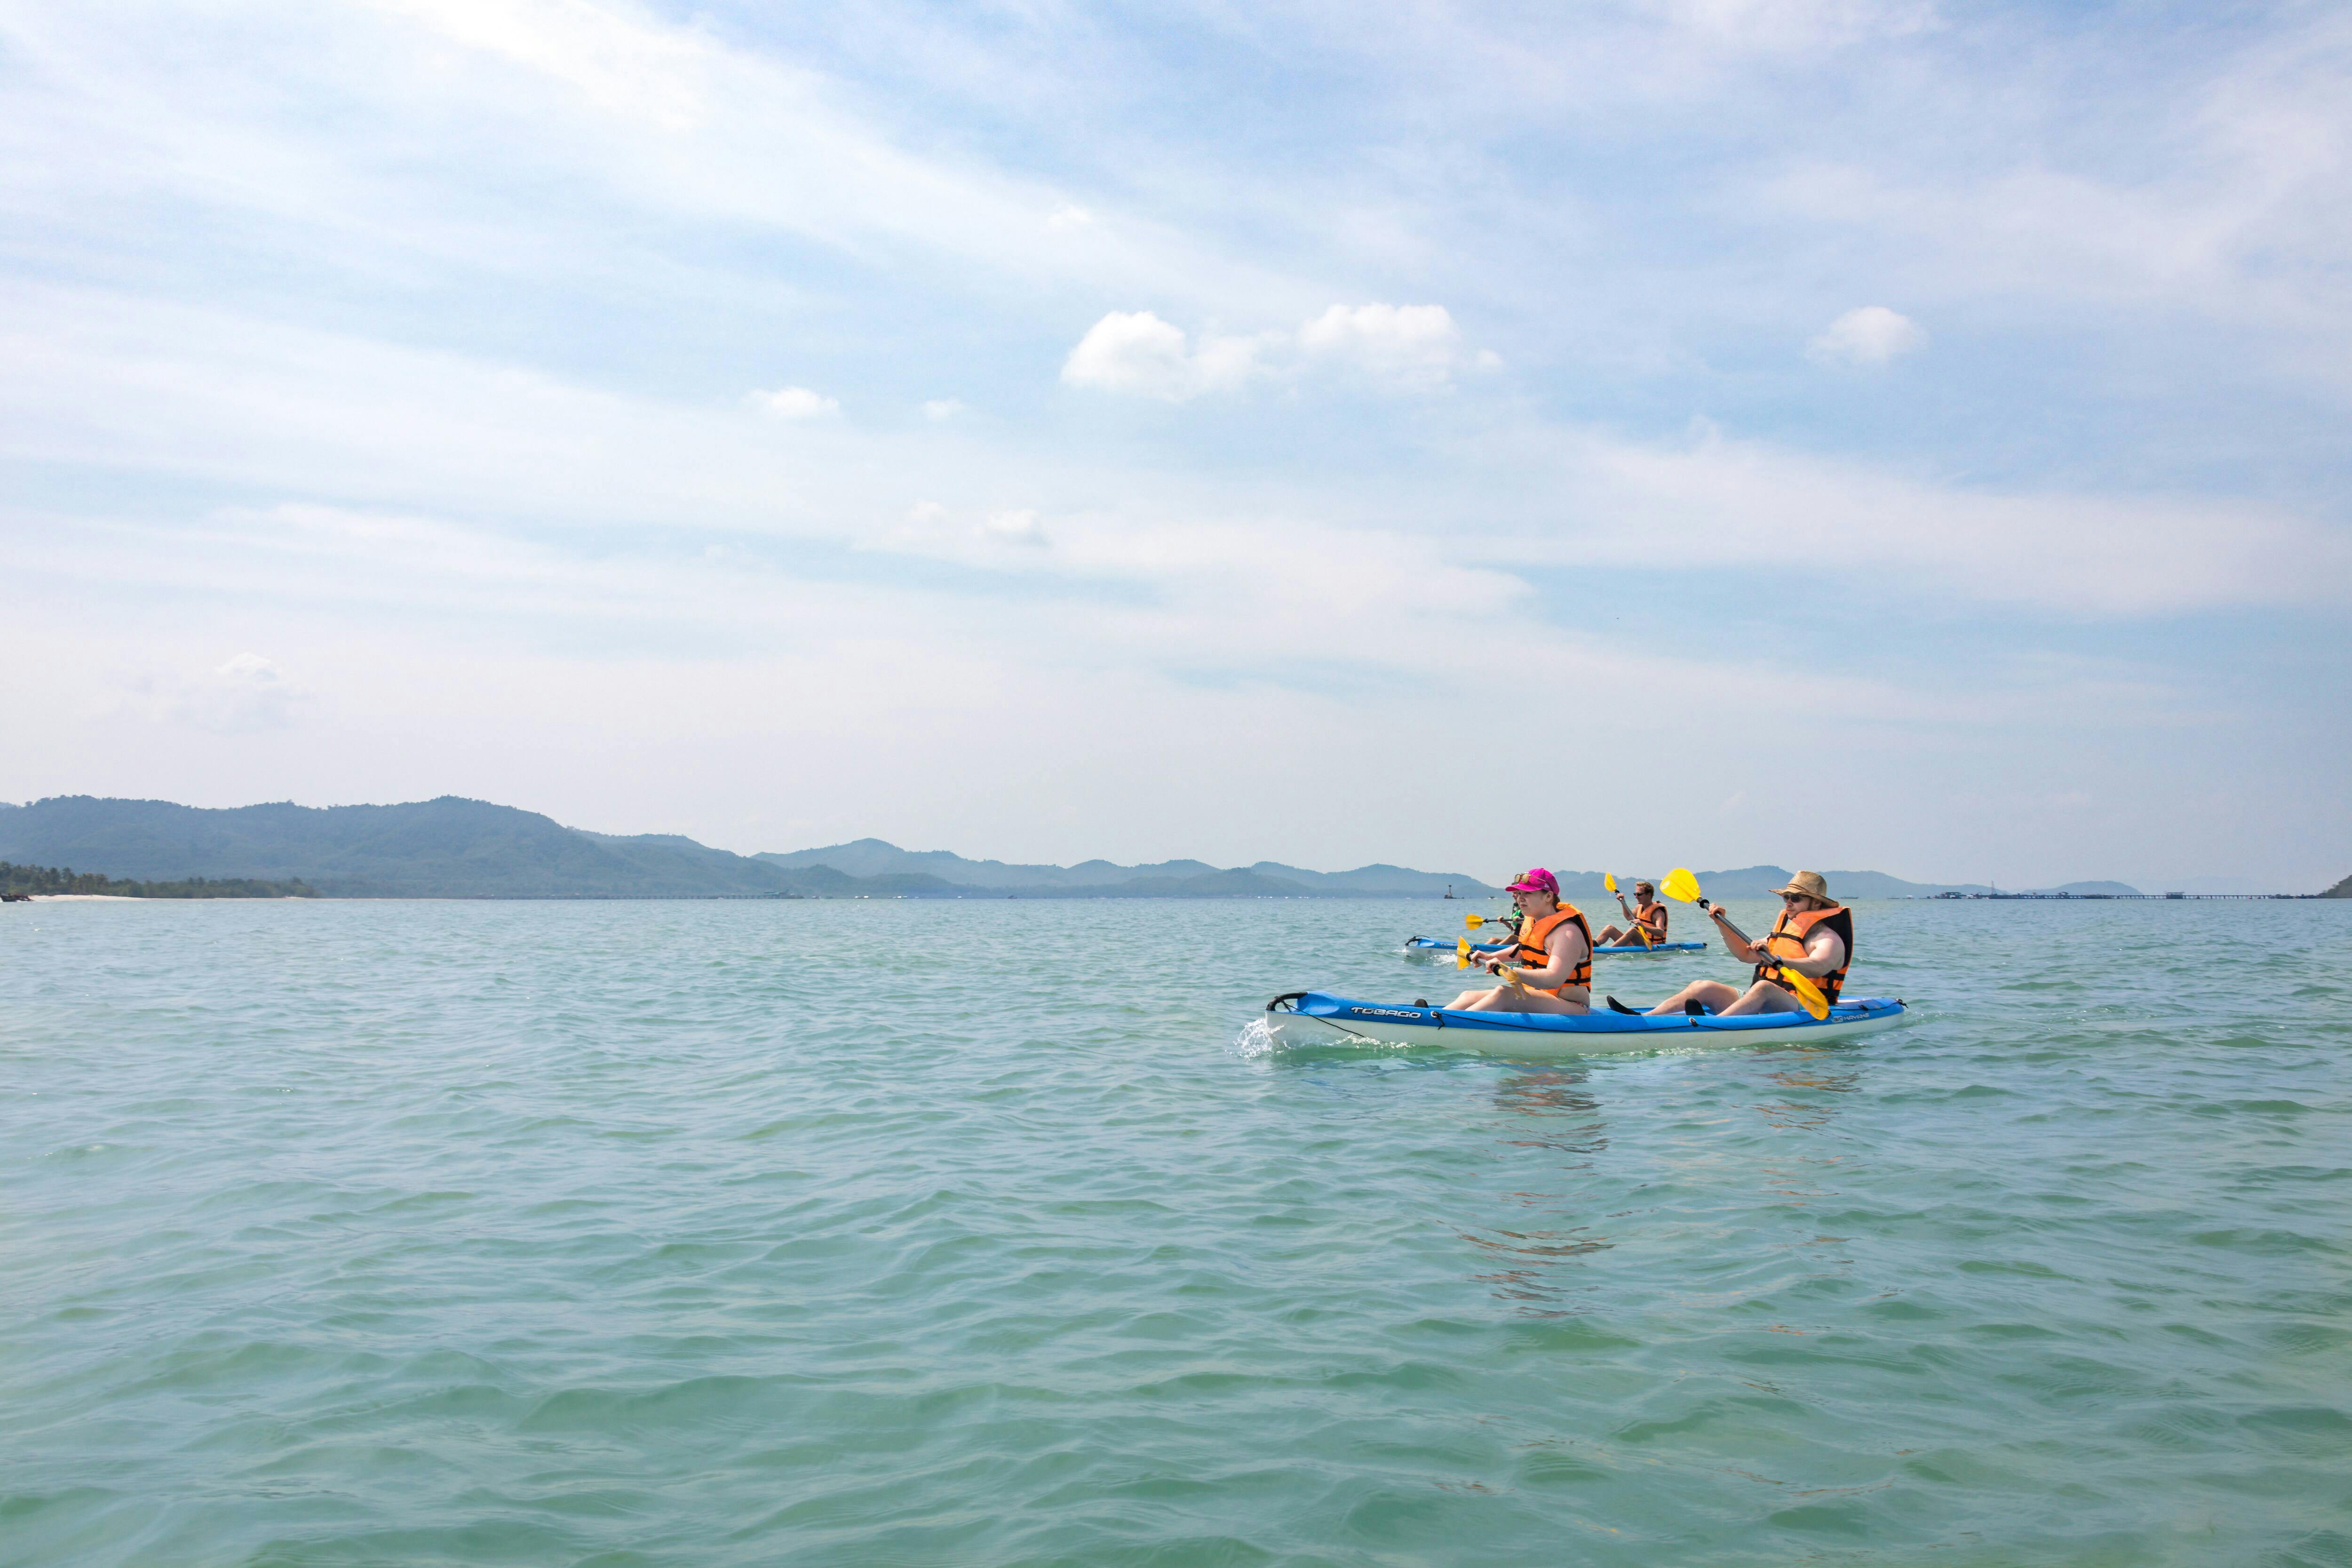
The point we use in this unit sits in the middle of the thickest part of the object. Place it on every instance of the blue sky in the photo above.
(1703, 432)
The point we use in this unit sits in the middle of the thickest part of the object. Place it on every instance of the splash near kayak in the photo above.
(1431, 948)
(1317, 1018)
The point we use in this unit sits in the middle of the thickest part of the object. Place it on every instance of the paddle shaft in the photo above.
(1725, 920)
(1767, 956)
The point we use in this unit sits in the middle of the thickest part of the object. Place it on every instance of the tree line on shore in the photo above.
(29, 880)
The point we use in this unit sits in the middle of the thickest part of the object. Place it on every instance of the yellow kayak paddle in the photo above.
(1461, 959)
(1680, 885)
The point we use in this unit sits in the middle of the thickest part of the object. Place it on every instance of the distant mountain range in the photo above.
(454, 848)
(872, 857)
(1098, 879)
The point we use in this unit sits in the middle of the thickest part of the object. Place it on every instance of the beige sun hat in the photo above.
(1810, 884)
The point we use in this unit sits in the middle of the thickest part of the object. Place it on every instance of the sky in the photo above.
(1836, 433)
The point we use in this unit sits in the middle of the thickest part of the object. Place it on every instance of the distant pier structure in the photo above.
(2122, 897)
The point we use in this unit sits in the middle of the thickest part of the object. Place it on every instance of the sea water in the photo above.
(988, 1232)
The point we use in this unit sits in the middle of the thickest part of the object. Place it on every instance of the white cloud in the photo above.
(2231, 211)
(750, 134)
(1136, 351)
(1406, 345)
(1400, 347)
(1014, 528)
(247, 694)
(940, 408)
(212, 397)
(930, 529)
(1872, 335)
(1719, 503)
(617, 65)
(797, 403)
(1794, 26)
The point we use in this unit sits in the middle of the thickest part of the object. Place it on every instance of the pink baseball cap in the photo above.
(1536, 881)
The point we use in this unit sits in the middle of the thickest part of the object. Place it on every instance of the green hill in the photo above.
(448, 848)
(2341, 890)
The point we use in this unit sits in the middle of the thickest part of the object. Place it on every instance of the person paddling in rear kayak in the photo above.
(1548, 968)
(1650, 916)
(1814, 937)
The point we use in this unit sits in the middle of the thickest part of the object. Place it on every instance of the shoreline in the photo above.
(132, 898)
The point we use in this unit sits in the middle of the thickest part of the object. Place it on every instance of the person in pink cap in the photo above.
(1549, 968)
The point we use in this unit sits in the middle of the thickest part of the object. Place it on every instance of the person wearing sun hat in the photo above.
(1814, 937)
(1550, 966)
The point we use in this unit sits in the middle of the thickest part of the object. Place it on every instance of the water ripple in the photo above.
(692, 1234)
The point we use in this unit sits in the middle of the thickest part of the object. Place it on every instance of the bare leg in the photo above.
(1712, 995)
(1610, 936)
(1513, 999)
(1764, 997)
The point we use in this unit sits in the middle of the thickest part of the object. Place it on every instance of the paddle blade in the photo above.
(1680, 884)
(1807, 992)
(1473, 921)
(1609, 880)
(1462, 952)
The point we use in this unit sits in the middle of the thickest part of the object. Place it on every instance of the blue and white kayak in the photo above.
(1431, 947)
(1317, 1018)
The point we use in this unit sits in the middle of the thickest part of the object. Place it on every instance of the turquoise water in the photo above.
(983, 1233)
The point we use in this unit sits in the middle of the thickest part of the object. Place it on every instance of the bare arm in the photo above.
(1740, 947)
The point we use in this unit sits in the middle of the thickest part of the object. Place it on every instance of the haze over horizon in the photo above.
(1821, 432)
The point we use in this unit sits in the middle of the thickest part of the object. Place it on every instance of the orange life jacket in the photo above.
(1788, 941)
(1642, 917)
(1530, 953)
